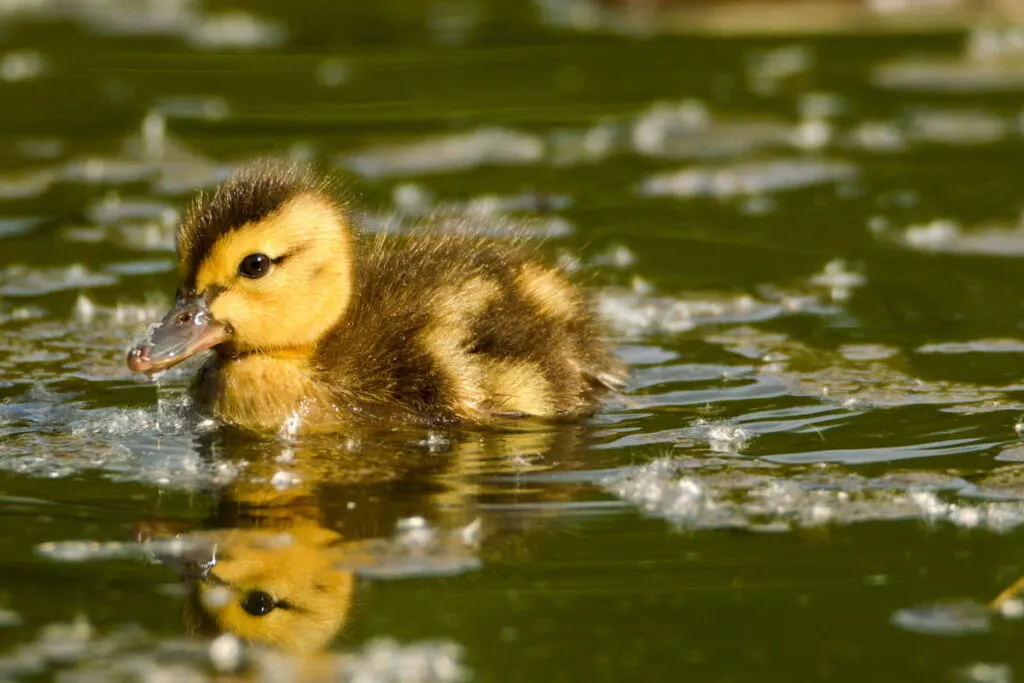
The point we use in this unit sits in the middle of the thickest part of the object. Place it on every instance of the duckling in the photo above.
(311, 320)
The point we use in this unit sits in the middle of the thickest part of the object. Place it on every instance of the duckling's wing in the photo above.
(466, 328)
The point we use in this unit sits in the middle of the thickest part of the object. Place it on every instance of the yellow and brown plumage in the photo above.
(310, 319)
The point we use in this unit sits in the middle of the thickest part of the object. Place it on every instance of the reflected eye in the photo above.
(254, 266)
(258, 604)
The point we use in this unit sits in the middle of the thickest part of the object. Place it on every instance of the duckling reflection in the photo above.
(277, 566)
(281, 588)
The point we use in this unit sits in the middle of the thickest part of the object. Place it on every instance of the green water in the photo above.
(843, 435)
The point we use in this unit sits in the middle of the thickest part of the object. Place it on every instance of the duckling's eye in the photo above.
(258, 604)
(254, 266)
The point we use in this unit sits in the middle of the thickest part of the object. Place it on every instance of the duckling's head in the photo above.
(265, 265)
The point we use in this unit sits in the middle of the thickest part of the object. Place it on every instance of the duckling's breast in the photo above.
(263, 392)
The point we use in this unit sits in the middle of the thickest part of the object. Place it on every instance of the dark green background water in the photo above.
(576, 583)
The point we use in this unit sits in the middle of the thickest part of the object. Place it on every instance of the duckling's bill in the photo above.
(186, 330)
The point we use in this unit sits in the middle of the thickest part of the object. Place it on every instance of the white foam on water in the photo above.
(22, 66)
(183, 19)
(332, 72)
(973, 346)
(20, 280)
(986, 672)
(493, 146)
(78, 652)
(946, 619)
(947, 236)
(838, 279)
(857, 381)
(9, 618)
(692, 494)
(417, 549)
(639, 310)
(237, 30)
(725, 182)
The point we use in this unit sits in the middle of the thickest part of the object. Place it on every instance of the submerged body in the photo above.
(311, 321)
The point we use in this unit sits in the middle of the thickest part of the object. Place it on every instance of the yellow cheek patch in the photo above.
(302, 221)
(552, 295)
(302, 295)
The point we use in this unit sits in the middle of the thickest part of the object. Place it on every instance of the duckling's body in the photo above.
(334, 328)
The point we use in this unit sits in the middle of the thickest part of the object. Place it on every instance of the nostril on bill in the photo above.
(184, 319)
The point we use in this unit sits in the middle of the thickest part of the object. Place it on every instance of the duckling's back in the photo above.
(444, 328)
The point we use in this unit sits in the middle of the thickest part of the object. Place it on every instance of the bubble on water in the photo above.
(445, 154)
(946, 619)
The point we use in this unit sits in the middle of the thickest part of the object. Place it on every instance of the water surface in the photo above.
(808, 250)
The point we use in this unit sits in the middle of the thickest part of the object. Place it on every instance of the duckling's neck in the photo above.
(262, 391)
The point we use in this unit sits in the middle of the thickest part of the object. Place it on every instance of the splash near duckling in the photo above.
(307, 316)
